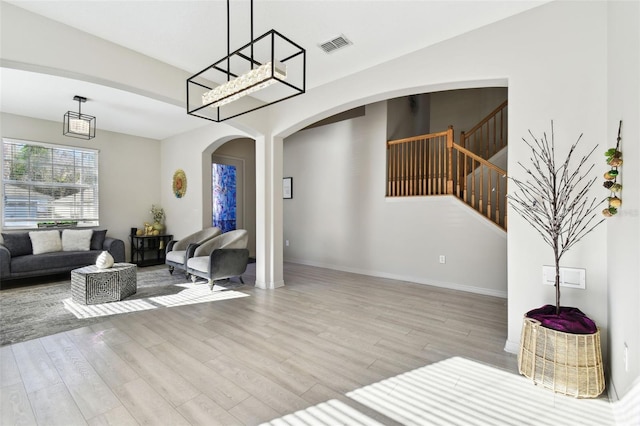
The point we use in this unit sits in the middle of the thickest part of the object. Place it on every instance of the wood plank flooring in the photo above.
(249, 360)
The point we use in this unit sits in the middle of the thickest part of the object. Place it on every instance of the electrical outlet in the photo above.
(443, 259)
(286, 243)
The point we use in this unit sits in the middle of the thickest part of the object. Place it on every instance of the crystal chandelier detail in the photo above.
(251, 82)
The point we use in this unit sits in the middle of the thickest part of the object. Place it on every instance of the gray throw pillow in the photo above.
(97, 239)
(18, 243)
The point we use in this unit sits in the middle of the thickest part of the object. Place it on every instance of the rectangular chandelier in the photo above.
(78, 125)
(265, 71)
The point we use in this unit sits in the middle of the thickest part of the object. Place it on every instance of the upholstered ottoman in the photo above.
(91, 285)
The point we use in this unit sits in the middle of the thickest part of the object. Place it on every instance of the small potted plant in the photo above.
(560, 346)
(158, 215)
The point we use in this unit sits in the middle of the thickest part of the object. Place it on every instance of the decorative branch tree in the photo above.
(555, 200)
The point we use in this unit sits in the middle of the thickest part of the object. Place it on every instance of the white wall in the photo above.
(129, 171)
(408, 116)
(340, 218)
(623, 230)
(466, 107)
(556, 68)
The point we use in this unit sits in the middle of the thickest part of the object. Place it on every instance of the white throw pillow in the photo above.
(76, 239)
(45, 241)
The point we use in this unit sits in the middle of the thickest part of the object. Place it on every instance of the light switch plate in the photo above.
(569, 277)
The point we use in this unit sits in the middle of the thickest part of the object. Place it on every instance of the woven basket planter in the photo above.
(566, 363)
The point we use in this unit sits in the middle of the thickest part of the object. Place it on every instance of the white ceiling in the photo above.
(192, 34)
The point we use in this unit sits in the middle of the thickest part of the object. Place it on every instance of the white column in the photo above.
(269, 271)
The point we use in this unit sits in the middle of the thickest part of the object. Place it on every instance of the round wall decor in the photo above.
(179, 183)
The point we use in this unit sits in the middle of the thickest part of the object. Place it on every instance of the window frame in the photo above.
(84, 213)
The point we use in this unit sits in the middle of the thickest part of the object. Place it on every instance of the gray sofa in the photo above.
(18, 261)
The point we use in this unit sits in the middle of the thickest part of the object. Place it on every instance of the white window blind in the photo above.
(48, 183)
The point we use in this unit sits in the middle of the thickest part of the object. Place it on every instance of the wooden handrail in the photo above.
(420, 137)
(479, 159)
(487, 118)
(490, 135)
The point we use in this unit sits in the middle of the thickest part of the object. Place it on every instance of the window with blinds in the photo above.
(48, 183)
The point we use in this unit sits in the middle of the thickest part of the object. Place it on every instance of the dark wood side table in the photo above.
(147, 250)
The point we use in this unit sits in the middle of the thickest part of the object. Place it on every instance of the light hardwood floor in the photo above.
(251, 359)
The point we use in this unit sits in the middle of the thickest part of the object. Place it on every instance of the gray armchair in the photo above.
(177, 252)
(223, 257)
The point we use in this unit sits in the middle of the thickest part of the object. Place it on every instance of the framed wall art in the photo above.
(287, 187)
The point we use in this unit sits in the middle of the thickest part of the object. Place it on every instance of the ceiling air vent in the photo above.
(335, 44)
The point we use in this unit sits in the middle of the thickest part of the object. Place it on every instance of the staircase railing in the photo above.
(489, 136)
(481, 184)
(434, 164)
(420, 165)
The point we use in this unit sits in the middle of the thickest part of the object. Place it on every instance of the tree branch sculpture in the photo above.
(555, 198)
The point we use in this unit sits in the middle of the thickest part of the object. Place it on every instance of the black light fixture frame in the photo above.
(72, 115)
(281, 49)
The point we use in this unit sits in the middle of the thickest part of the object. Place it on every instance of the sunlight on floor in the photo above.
(328, 413)
(190, 294)
(458, 391)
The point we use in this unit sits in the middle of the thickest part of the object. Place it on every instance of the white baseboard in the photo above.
(269, 286)
(417, 280)
(626, 410)
(511, 346)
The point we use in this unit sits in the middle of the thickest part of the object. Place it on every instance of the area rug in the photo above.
(35, 310)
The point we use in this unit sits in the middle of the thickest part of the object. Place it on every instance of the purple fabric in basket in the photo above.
(570, 320)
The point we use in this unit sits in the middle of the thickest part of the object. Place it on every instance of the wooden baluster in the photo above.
(490, 193)
(402, 169)
(473, 183)
(409, 168)
(439, 166)
(390, 173)
(498, 192)
(482, 200)
(395, 170)
(423, 185)
(398, 170)
(416, 167)
(442, 166)
(457, 174)
(450, 160)
(465, 182)
(390, 176)
(429, 168)
(408, 174)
